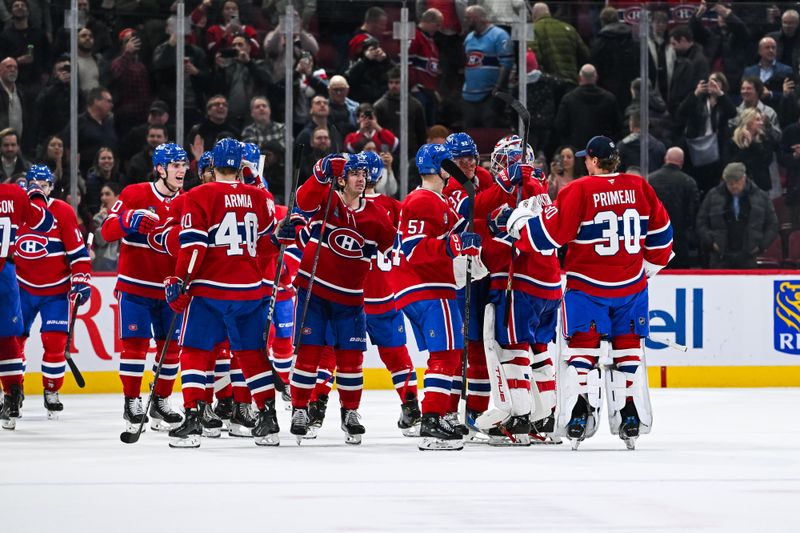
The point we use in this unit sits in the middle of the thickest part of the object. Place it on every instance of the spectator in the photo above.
(370, 130)
(545, 92)
(106, 254)
(789, 159)
(662, 55)
(320, 116)
(771, 72)
(437, 134)
(95, 127)
(158, 115)
(706, 113)
(615, 55)
(387, 113)
(93, 69)
(423, 68)
(240, 79)
(587, 111)
(727, 42)
(28, 45)
(263, 129)
(56, 158)
(374, 26)
(563, 170)
(629, 148)
(307, 8)
(489, 60)
(51, 110)
(557, 46)
(680, 196)
(689, 67)
(751, 91)
(215, 123)
(449, 43)
(140, 168)
(342, 108)
(786, 40)
(11, 160)
(104, 171)
(661, 125)
(368, 75)
(275, 46)
(320, 147)
(130, 83)
(220, 36)
(753, 143)
(197, 76)
(737, 221)
(11, 100)
(100, 32)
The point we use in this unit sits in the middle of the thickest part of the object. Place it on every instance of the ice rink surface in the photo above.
(717, 460)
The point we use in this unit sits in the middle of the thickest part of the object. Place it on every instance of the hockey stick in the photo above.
(671, 344)
(76, 373)
(452, 168)
(280, 386)
(131, 438)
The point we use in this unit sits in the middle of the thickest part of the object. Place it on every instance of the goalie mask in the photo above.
(507, 151)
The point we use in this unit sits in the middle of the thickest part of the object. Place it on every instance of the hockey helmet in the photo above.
(251, 153)
(206, 161)
(507, 151)
(461, 145)
(227, 153)
(40, 173)
(357, 161)
(166, 153)
(375, 166)
(430, 157)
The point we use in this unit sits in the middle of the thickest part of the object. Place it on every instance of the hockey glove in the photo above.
(515, 174)
(329, 167)
(177, 299)
(138, 220)
(498, 220)
(518, 218)
(287, 233)
(464, 243)
(35, 192)
(81, 291)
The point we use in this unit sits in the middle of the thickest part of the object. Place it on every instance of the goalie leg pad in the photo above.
(516, 365)
(575, 363)
(628, 358)
(500, 393)
(544, 376)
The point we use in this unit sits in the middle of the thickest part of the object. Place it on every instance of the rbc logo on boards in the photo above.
(786, 331)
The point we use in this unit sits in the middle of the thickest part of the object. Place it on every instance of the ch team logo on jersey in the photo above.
(474, 59)
(346, 243)
(432, 66)
(786, 316)
(32, 247)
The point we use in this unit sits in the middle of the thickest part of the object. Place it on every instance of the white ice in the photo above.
(717, 460)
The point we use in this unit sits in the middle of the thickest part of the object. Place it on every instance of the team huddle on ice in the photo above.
(243, 297)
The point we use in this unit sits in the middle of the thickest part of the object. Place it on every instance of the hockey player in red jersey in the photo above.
(226, 223)
(430, 236)
(619, 235)
(350, 231)
(17, 209)
(53, 269)
(143, 264)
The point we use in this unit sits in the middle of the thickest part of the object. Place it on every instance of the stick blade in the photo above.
(515, 104)
(452, 168)
(75, 372)
(129, 438)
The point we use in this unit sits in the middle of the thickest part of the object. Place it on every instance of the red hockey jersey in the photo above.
(16, 210)
(227, 223)
(379, 286)
(425, 271)
(616, 228)
(423, 57)
(350, 240)
(47, 260)
(143, 263)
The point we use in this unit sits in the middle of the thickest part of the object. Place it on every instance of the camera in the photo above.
(558, 161)
(229, 53)
(368, 114)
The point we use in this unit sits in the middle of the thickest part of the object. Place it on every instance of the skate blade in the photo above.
(237, 430)
(213, 433)
(193, 441)
(268, 440)
(311, 433)
(539, 440)
(433, 444)
(476, 437)
(160, 425)
(630, 443)
(352, 439)
(9, 424)
(575, 443)
(53, 415)
(413, 431)
(521, 440)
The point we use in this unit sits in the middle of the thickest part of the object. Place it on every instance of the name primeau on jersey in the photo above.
(238, 200)
(605, 199)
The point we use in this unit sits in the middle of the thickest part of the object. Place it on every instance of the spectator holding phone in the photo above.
(220, 36)
(130, 83)
(369, 74)
(370, 130)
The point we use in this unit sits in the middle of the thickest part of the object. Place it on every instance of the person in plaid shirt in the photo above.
(263, 129)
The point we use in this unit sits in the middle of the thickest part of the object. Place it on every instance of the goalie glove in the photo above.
(519, 217)
(512, 176)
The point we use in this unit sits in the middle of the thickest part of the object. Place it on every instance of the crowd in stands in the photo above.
(724, 106)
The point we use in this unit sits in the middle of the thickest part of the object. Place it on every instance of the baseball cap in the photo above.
(598, 146)
(159, 106)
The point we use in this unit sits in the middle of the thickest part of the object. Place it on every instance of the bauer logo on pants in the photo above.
(786, 316)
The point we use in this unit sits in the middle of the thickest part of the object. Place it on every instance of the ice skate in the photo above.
(242, 420)
(224, 410)
(316, 411)
(352, 427)
(576, 428)
(629, 430)
(438, 434)
(162, 416)
(11, 407)
(542, 431)
(410, 417)
(299, 427)
(134, 414)
(515, 432)
(266, 431)
(188, 434)
(453, 420)
(53, 404)
(212, 424)
(474, 435)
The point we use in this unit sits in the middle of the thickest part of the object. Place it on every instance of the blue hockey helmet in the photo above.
(251, 153)
(357, 161)
(375, 166)
(461, 145)
(206, 160)
(430, 157)
(40, 173)
(166, 153)
(227, 153)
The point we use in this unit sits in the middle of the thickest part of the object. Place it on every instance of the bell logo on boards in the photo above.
(786, 317)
